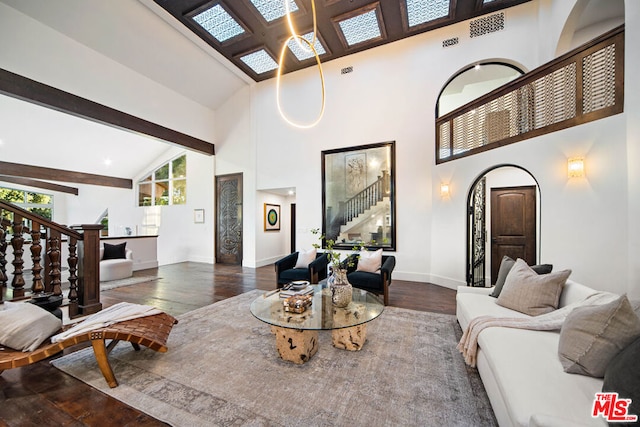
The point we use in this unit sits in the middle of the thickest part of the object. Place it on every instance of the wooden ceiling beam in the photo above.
(39, 172)
(17, 86)
(39, 184)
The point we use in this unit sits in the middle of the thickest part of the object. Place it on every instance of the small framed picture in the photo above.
(271, 217)
(198, 216)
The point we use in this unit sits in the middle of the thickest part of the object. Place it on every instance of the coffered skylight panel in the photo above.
(418, 13)
(217, 21)
(361, 26)
(274, 9)
(302, 51)
(260, 61)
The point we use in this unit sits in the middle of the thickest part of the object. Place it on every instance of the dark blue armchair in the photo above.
(378, 282)
(285, 273)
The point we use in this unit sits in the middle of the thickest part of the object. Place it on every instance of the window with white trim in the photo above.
(167, 185)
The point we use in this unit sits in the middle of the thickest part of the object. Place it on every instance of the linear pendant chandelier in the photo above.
(306, 46)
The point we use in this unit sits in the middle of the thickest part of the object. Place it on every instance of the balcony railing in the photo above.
(583, 85)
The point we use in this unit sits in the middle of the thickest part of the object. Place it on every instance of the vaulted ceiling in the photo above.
(251, 33)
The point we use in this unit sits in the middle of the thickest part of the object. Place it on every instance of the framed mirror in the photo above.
(358, 196)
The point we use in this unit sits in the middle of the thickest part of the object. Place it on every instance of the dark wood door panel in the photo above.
(513, 225)
(228, 238)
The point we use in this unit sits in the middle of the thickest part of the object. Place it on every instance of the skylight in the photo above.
(217, 22)
(259, 61)
(304, 52)
(361, 28)
(421, 11)
(272, 9)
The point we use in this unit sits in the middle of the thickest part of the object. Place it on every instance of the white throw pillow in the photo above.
(370, 261)
(25, 326)
(305, 258)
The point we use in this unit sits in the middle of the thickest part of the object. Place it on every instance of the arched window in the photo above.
(167, 185)
(473, 82)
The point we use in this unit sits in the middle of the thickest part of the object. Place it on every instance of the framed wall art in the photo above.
(271, 217)
(358, 196)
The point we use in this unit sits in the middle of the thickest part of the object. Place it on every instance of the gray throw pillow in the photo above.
(25, 326)
(505, 267)
(592, 336)
(531, 293)
(623, 376)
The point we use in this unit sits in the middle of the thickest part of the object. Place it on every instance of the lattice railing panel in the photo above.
(542, 101)
(554, 97)
(598, 79)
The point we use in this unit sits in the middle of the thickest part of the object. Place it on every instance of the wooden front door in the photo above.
(229, 219)
(513, 225)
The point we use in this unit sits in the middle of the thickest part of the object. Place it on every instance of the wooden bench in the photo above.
(150, 331)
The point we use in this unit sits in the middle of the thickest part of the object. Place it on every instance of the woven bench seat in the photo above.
(150, 331)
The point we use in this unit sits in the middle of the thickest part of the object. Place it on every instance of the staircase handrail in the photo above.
(47, 223)
(83, 242)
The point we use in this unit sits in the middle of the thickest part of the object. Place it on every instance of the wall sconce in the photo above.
(444, 190)
(575, 167)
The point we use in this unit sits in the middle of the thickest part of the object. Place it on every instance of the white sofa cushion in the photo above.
(474, 302)
(530, 379)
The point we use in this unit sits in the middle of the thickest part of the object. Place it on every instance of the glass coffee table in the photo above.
(297, 334)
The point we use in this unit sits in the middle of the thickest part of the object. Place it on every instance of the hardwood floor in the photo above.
(42, 395)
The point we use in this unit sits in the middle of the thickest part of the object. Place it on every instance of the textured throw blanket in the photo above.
(468, 344)
(116, 313)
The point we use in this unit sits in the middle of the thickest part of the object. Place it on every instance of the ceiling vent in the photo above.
(450, 42)
(486, 24)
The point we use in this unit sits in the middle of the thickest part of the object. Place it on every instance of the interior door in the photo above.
(513, 225)
(477, 243)
(293, 228)
(228, 238)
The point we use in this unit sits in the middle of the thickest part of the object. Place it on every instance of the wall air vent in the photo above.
(450, 42)
(486, 24)
(346, 70)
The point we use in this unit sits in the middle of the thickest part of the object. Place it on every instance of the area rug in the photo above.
(134, 280)
(222, 368)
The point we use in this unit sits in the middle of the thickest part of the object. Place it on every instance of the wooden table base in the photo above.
(351, 339)
(295, 345)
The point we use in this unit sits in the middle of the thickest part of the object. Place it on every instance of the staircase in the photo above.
(83, 243)
(354, 210)
(359, 224)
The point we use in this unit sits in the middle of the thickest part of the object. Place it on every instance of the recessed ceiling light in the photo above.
(107, 161)
(421, 11)
(259, 61)
(273, 9)
(219, 23)
(302, 51)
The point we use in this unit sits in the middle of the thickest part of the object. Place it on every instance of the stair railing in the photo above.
(83, 262)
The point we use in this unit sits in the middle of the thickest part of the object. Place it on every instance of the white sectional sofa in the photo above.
(521, 371)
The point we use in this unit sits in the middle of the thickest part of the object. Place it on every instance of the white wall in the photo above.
(632, 111)
(36, 51)
(391, 95)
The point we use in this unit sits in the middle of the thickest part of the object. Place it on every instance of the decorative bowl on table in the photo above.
(299, 284)
(42, 296)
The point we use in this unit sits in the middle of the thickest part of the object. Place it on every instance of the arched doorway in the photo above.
(503, 218)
